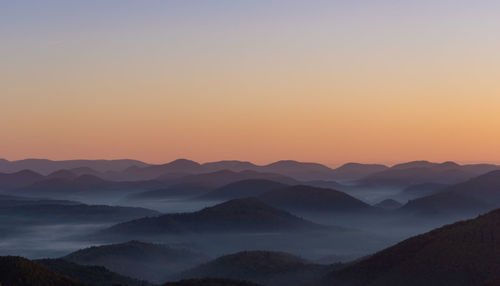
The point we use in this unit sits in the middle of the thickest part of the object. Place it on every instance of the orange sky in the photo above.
(313, 82)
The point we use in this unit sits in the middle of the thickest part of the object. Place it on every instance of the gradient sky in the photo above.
(259, 80)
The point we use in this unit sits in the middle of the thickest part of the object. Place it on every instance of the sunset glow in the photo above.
(368, 81)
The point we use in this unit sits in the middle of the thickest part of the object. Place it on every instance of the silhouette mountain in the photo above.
(242, 189)
(389, 204)
(355, 171)
(265, 267)
(90, 275)
(64, 211)
(62, 174)
(179, 166)
(18, 271)
(84, 185)
(18, 179)
(239, 215)
(422, 190)
(464, 253)
(474, 196)
(313, 199)
(224, 177)
(145, 261)
(485, 187)
(299, 170)
(44, 166)
(233, 165)
(181, 190)
(419, 172)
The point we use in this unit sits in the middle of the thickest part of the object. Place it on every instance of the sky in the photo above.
(262, 80)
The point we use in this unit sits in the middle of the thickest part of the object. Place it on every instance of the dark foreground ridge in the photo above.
(18, 271)
(465, 253)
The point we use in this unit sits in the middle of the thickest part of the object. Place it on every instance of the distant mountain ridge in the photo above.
(127, 169)
(45, 166)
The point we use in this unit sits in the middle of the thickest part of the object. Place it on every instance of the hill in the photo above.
(18, 271)
(18, 179)
(242, 189)
(44, 166)
(55, 212)
(221, 178)
(311, 199)
(356, 171)
(474, 196)
(420, 172)
(389, 204)
(299, 170)
(464, 253)
(239, 215)
(145, 261)
(90, 275)
(84, 186)
(485, 187)
(265, 267)
(422, 190)
(181, 190)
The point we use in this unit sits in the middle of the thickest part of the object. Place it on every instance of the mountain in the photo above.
(485, 187)
(84, 185)
(235, 216)
(18, 179)
(87, 171)
(422, 190)
(464, 253)
(264, 267)
(311, 199)
(224, 177)
(18, 271)
(61, 174)
(446, 203)
(236, 166)
(12, 201)
(44, 166)
(53, 211)
(90, 275)
(145, 261)
(419, 172)
(389, 204)
(210, 282)
(242, 189)
(474, 196)
(355, 171)
(199, 184)
(181, 190)
(299, 170)
(180, 167)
